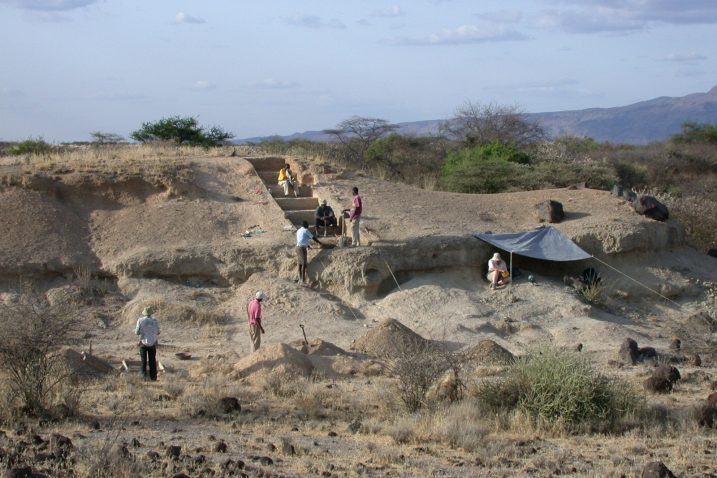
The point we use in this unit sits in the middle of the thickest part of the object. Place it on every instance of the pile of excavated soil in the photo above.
(86, 365)
(274, 359)
(318, 347)
(390, 338)
(487, 352)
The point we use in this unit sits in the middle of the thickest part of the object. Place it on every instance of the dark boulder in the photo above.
(657, 384)
(173, 451)
(229, 404)
(656, 469)
(707, 415)
(628, 351)
(646, 353)
(712, 252)
(675, 345)
(550, 211)
(22, 472)
(651, 207)
(667, 372)
(696, 360)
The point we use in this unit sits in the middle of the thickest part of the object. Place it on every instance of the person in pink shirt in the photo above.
(254, 313)
(355, 217)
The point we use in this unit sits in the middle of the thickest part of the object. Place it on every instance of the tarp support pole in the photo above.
(510, 278)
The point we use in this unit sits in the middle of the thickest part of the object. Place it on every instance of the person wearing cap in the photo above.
(286, 180)
(148, 330)
(254, 313)
(303, 238)
(324, 216)
(497, 271)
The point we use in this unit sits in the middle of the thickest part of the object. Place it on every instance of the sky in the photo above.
(260, 68)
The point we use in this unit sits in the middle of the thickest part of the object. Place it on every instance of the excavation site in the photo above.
(395, 357)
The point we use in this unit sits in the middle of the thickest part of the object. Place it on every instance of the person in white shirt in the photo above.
(497, 271)
(303, 239)
(148, 330)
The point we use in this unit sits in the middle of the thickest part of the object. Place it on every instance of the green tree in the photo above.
(696, 133)
(181, 130)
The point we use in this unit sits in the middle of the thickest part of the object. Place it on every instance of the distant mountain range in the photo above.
(638, 123)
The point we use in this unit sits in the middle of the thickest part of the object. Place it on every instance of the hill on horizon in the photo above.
(639, 123)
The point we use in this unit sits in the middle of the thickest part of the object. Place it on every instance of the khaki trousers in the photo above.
(255, 337)
(355, 233)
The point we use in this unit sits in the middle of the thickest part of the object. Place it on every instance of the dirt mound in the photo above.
(319, 347)
(274, 359)
(487, 352)
(390, 338)
(86, 365)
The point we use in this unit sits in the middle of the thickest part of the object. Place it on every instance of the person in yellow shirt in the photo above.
(287, 180)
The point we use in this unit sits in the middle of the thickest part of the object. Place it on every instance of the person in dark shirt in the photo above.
(324, 215)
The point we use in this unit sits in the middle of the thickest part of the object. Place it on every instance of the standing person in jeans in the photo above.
(355, 217)
(254, 313)
(303, 238)
(148, 330)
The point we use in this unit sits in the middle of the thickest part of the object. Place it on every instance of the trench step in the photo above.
(296, 217)
(294, 204)
(277, 191)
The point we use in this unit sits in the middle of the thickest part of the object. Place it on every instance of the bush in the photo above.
(559, 386)
(181, 130)
(30, 352)
(696, 133)
(418, 369)
(31, 146)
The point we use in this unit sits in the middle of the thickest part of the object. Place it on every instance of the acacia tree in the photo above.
(358, 133)
(476, 124)
(100, 137)
(181, 130)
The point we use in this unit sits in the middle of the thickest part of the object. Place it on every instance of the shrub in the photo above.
(696, 133)
(418, 369)
(559, 386)
(31, 146)
(30, 352)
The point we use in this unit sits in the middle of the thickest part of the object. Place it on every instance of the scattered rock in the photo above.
(180, 475)
(712, 252)
(136, 443)
(22, 472)
(696, 360)
(668, 372)
(153, 455)
(229, 404)
(707, 415)
(173, 451)
(656, 469)
(646, 353)
(650, 207)
(628, 351)
(332, 434)
(220, 447)
(657, 384)
(579, 348)
(712, 399)
(675, 345)
(61, 442)
(550, 211)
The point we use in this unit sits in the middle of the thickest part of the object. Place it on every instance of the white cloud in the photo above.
(313, 21)
(49, 5)
(683, 57)
(182, 17)
(594, 16)
(464, 34)
(204, 85)
(391, 12)
(274, 84)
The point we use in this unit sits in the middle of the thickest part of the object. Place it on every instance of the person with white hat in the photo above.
(497, 271)
(324, 216)
(255, 327)
(148, 330)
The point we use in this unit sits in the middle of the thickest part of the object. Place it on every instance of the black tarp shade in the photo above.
(547, 243)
